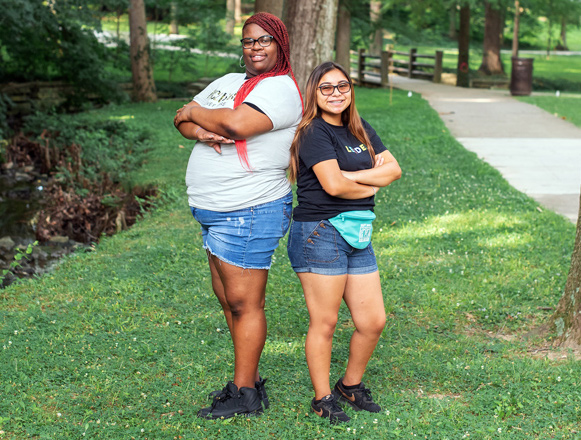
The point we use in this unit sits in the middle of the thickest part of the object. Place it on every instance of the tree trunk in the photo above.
(516, 28)
(566, 321)
(463, 68)
(491, 62)
(311, 26)
(173, 25)
(230, 20)
(452, 31)
(563, 44)
(237, 11)
(375, 15)
(343, 37)
(275, 7)
(142, 72)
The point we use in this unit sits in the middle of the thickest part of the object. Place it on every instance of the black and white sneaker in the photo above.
(259, 385)
(357, 396)
(327, 407)
(233, 401)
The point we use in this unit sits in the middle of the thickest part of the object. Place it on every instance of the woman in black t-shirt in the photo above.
(338, 162)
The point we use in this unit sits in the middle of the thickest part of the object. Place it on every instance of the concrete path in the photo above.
(537, 153)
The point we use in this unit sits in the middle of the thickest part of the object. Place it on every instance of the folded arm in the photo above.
(336, 184)
(386, 171)
(239, 123)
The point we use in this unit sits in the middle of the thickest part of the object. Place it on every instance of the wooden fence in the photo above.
(373, 69)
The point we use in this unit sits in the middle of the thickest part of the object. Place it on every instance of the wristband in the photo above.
(374, 190)
(196, 132)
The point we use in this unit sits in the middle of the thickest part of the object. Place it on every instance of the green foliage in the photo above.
(128, 340)
(85, 149)
(53, 40)
(17, 262)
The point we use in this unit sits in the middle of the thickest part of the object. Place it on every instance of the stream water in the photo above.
(21, 195)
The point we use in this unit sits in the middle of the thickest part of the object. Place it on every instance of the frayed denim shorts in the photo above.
(247, 237)
(317, 247)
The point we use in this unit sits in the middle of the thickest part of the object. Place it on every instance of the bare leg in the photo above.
(323, 294)
(244, 293)
(218, 288)
(365, 301)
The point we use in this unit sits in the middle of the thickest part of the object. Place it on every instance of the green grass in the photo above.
(126, 341)
(567, 106)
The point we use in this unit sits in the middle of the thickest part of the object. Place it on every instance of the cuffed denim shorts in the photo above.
(248, 237)
(317, 247)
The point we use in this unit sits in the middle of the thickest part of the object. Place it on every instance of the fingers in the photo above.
(379, 160)
(216, 146)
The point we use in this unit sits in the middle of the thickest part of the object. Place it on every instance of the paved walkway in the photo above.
(537, 153)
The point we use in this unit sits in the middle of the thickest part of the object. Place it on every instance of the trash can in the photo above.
(521, 77)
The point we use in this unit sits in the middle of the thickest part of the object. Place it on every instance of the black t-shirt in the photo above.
(323, 141)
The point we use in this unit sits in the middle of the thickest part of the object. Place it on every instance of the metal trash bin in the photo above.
(521, 76)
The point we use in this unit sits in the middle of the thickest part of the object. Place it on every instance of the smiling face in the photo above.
(333, 105)
(258, 59)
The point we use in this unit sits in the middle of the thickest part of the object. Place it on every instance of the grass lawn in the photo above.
(567, 106)
(126, 341)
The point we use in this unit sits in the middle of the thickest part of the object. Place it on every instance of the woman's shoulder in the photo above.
(279, 81)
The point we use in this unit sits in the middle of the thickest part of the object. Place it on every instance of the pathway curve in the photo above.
(536, 152)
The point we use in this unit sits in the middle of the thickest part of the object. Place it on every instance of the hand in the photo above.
(212, 139)
(181, 115)
(379, 160)
(349, 175)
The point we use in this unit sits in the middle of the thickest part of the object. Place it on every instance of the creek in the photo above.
(21, 199)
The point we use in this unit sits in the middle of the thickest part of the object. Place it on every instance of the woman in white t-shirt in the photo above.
(239, 193)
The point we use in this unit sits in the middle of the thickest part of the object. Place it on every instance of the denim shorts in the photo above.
(247, 237)
(317, 247)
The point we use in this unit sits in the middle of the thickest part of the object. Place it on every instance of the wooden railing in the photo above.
(373, 69)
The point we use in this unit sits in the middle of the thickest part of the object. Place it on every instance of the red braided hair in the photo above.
(275, 27)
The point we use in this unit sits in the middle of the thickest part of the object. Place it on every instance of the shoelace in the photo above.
(367, 394)
(225, 394)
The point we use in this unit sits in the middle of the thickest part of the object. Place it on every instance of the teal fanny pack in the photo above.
(355, 227)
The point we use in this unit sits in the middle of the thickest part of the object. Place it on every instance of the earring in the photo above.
(241, 62)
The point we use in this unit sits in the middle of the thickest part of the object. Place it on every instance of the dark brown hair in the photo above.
(275, 27)
(350, 117)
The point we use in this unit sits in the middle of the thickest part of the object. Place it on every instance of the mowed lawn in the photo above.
(126, 341)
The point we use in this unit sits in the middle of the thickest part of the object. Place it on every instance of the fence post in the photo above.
(384, 68)
(438, 66)
(412, 61)
(360, 60)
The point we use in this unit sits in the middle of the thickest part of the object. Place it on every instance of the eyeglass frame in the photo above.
(257, 40)
(335, 87)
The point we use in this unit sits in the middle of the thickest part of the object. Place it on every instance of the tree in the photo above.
(173, 25)
(375, 17)
(515, 28)
(275, 7)
(566, 321)
(343, 36)
(230, 16)
(311, 26)
(493, 29)
(141, 69)
(463, 68)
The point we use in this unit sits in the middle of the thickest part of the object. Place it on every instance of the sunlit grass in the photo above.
(128, 340)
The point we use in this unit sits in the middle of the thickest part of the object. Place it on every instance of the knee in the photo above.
(325, 328)
(241, 307)
(374, 325)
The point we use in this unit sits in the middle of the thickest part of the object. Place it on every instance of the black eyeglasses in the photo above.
(328, 89)
(264, 41)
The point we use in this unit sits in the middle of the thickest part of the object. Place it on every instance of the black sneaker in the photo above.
(232, 401)
(262, 392)
(359, 398)
(327, 407)
(259, 385)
